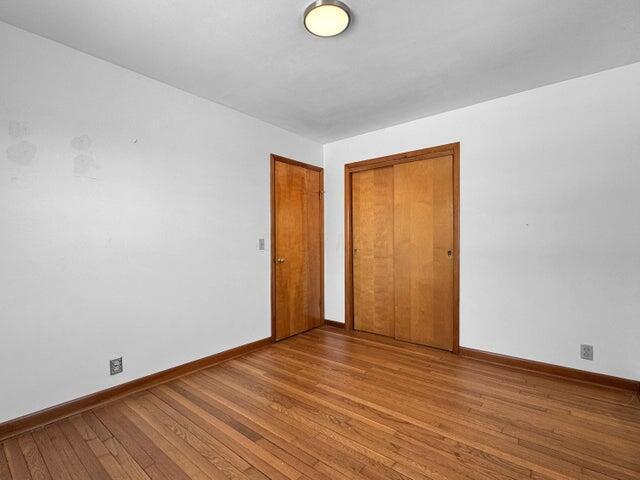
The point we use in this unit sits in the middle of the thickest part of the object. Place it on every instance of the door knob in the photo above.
(449, 253)
(279, 260)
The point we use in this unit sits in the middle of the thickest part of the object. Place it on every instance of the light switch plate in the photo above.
(261, 244)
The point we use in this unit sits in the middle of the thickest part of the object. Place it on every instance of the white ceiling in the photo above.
(399, 60)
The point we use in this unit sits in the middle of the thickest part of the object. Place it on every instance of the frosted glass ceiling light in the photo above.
(327, 18)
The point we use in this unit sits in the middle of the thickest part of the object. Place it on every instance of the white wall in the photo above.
(130, 214)
(144, 244)
(550, 219)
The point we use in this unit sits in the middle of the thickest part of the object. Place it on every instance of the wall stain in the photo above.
(18, 129)
(84, 165)
(82, 143)
(22, 153)
(26, 176)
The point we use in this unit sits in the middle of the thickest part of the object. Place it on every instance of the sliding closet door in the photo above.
(423, 256)
(372, 213)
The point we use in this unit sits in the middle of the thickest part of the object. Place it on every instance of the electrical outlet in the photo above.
(586, 352)
(115, 366)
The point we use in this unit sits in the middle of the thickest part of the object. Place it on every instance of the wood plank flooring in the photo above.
(330, 405)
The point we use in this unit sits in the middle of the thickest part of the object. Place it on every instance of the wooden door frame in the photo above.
(273, 159)
(452, 149)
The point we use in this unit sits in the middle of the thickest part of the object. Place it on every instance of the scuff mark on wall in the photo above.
(84, 165)
(22, 153)
(26, 176)
(82, 143)
(18, 129)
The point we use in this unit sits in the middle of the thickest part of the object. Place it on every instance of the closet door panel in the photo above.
(372, 213)
(423, 256)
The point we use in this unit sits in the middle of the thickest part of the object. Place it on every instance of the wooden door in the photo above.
(298, 255)
(372, 213)
(423, 251)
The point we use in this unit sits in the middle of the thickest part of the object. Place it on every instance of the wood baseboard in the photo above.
(550, 369)
(72, 407)
(333, 323)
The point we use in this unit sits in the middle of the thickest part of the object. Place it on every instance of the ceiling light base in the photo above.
(327, 18)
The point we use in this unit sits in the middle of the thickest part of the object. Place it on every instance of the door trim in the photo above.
(452, 149)
(273, 159)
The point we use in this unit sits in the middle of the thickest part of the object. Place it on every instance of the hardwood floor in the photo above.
(331, 405)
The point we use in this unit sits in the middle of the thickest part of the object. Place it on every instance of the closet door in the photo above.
(372, 216)
(423, 251)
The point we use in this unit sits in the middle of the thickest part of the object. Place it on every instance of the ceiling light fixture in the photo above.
(327, 18)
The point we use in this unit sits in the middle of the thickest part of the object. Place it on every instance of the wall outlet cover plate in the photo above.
(115, 366)
(586, 352)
